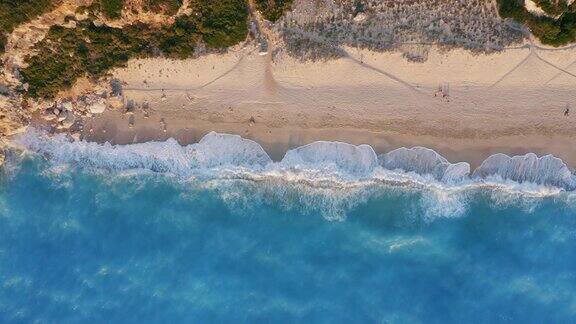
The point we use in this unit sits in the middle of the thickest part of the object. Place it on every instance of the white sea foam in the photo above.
(546, 170)
(333, 156)
(424, 161)
(165, 156)
(443, 204)
(213, 151)
(332, 165)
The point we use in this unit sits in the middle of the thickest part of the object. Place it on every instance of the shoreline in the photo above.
(219, 154)
(464, 106)
(113, 127)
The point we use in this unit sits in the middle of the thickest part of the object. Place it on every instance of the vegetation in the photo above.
(554, 8)
(112, 9)
(551, 31)
(321, 29)
(169, 7)
(16, 12)
(222, 23)
(67, 54)
(272, 10)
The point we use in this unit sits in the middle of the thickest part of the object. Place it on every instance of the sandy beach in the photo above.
(466, 106)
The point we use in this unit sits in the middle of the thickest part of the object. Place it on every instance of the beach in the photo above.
(272, 161)
(464, 105)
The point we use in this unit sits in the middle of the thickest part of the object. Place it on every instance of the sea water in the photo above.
(217, 232)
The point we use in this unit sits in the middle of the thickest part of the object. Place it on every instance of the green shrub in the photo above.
(178, 40)
(112, 9)
(169, 7)
(272, 10)
(553, 8)
(550, 31)
(16, 12)
(3, 41)
(222, 23)
(66, 55)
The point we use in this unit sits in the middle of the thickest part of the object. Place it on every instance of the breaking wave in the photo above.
(425, 161)
(328, 178)
(213, 151)
(334, 157)
(546, 170)
(224, 155)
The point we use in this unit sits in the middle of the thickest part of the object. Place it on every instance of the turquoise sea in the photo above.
(158, 232)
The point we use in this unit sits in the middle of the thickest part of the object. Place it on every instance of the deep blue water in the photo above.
(80, 245)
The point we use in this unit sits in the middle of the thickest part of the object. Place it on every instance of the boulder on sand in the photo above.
(67, 105)
(69, 120)
(97, 108)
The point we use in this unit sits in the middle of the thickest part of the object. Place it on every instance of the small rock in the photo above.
(69, 120)
(4, 90)
(97, 108)
(67, 106)
(81, 15)
(360, 17)
(48, 115)
(75, 136)
(116, 103)
(16, 72)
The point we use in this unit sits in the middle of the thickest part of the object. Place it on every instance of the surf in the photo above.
(321, 163)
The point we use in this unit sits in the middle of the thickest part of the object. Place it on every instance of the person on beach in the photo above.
(567, 111)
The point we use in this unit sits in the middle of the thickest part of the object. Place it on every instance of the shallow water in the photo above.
(81, 244)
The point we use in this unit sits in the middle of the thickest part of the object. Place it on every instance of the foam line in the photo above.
(225, 155)
(352, 159)
(545, 170)
(424, 161)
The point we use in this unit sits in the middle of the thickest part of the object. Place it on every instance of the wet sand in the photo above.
(114, 127)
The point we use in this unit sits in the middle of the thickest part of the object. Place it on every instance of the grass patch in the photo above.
(272, 10)
(551, 31)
